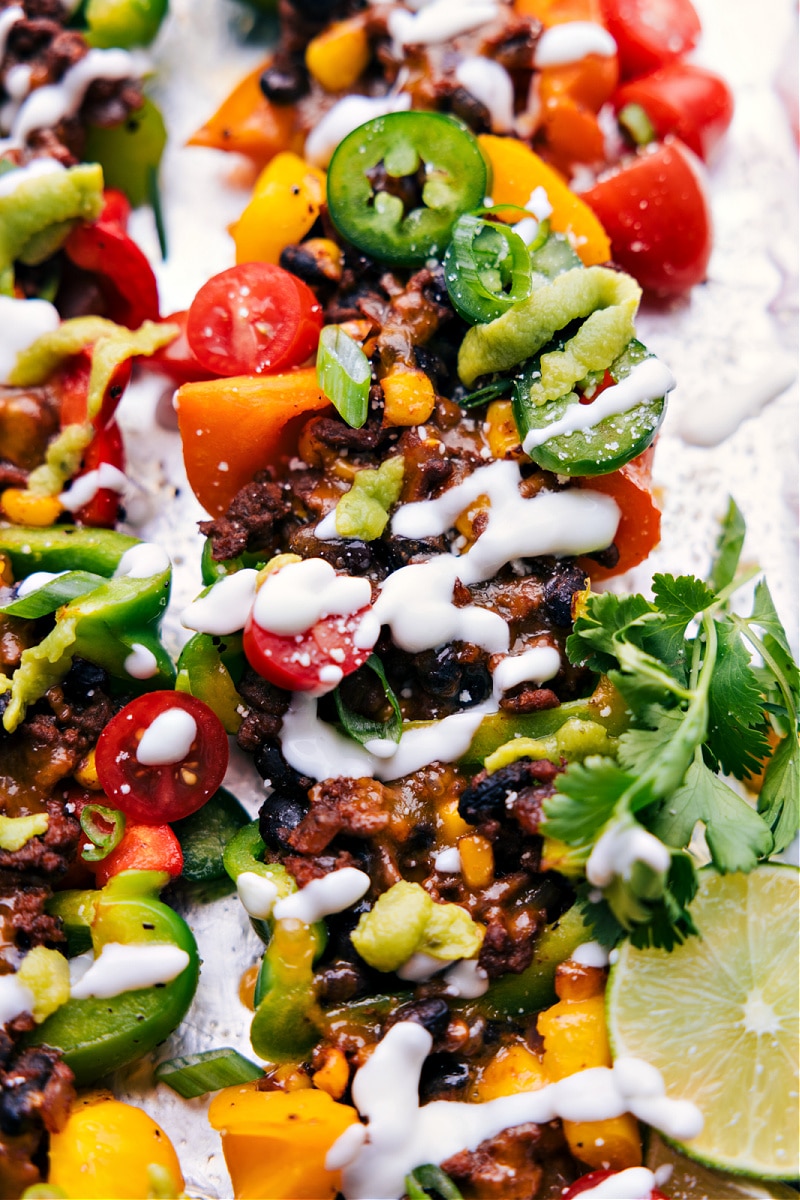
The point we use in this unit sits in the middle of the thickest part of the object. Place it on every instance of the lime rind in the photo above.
(718, 1016)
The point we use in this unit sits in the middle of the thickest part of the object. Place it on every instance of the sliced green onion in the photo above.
(104, 828)
(344, 374)
(636, 123)
(154, 196)
(53, 594)
(487, 268)
(196, 1074)
(430, 1179)
(364, 729)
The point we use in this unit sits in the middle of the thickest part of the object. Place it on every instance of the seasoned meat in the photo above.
(46, 857)
(249, 523)
(351, 806)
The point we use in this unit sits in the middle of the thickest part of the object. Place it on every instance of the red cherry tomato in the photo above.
(143, 848)
(153, 794)
(294, 661)
(692, 103)
(586, 1182)
(650, 33)
(654, 208)
(177, 360)
(253, 319)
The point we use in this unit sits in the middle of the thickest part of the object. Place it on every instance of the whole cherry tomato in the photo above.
(650, 33)
(692, 103)
(252, 319)
(655, 210)
(162, 757)
(298, 662)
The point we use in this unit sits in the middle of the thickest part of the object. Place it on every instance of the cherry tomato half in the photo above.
(650, 33)
(692, 103)
(586, 1182)
(177, 359)
(252, 319)
(294, 661)
(655, 210)
(186, 765)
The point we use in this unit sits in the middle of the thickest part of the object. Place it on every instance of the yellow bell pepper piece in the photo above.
(477, 860)
(285, 204)
(575, 1039)
(334, 1074)
(107, 1149)
(86, 773)
(513, 1069)
(450, 824)
(338, 56)
(518, 172)
(275, 1143)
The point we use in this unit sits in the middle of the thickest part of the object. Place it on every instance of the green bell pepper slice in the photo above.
(123, 23)
(433, 154)
(204, 834)
(100, 1035)
(212, 570)
(102, 626)
(209, 668)
(130, 153)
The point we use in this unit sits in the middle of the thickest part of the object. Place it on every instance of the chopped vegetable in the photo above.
(487, 268)
(344, 374)
(198, 1074)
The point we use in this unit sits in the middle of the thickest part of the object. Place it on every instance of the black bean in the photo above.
(278, 815)
(442, 1073)
(82, 680)
(559, 589)
(432, 1014)
(284, 81)
(271, 765)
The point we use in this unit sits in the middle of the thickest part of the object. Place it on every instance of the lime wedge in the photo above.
(718, 1016)
(689, 1180)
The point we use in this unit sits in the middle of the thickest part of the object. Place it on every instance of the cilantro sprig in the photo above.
(699, 707)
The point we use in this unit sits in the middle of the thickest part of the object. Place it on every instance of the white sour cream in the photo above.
(38, 579)
(15, 998)
(143, 561)
(128, 967)
(490, 83)
(619, 847)
(572, 41)
(420, 967)
(532, 666)
(345, 116)
(590, 954)
(167, 739)
(8, 19)
(332, 893)
(467, 980)
(47, 106)
(439, 21)
(647, 381)
(141, 663)
(293, 599)
(85, 488)
(257, 894)
(636, 1183)
(22, 322)
(226, 607)
(401, 1133)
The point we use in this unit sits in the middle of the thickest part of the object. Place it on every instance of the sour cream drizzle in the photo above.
(8, 19)
(128, 967)
(618, 848)
(142, 561)
(345, 116)
(332, 893)
(226, 607)
(84, 489)
(22, 322)
(293, 599)
(400, 1134)
(167, 739)
(439, 21)
(647, 381)
(636, 1183)
(535, 666)
(47, 106)
(15, 998)
(141, 663)
(490, 83)
(572, 41)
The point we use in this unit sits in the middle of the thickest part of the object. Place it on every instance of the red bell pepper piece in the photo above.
(143, 848)
(639, 528)
(177, 360)
(102, 510)
(683, 99)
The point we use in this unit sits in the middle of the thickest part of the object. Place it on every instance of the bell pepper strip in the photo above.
(212, 570)
(639, 529)
(247, 123)
(232, 428)
(105, 448)
(683, 99)
(606, 299)
(209, 668)
(130, 153)
(517, 173)
(63, 549)
(533, 988)
(98, 1035)
(38, 215)
(275, 1143)
(204, 835)
(285, 204)
(287, 1022)
(570, 96)
(121, 268)
(103, 625)
(142, 848)
(372, 161)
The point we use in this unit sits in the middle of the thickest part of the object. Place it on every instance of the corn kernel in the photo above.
(337, 57)
(577, 981)
(465, 521)
(27, 508)
(247, 986)
(86, 773)
(501, 429)
(330, 263)
(334, 1075)
(292, 1078)
(477, 860)
(408, 397)
(451, 825)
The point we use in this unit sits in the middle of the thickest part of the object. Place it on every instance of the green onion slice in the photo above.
(104, 828)
(51, 595)
(430, 1180)
(364, 729)
(344, 374)
(636, 123)
(487, 268)
(196, 1074)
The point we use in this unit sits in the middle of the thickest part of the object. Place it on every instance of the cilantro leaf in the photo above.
(639, 748)
(765, 615)
(679, 600)
(736, 835)
(587, 795)
(779, 801)
(736, 727)
(668, 919)
(729, 548)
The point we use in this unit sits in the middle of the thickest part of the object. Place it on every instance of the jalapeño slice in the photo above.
(602, 446)
(397, 185)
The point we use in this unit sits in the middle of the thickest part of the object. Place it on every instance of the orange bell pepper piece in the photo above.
(557, 12)
(247, 123)
(517, 172)
(232, 428)
(639, 528)
(275, 1143)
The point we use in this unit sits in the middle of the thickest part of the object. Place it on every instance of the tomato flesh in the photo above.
(654, 209)
(587, 1182)
(252, 319)
(295, 661)
(165, 792)
(650, 33)
(683, 99)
